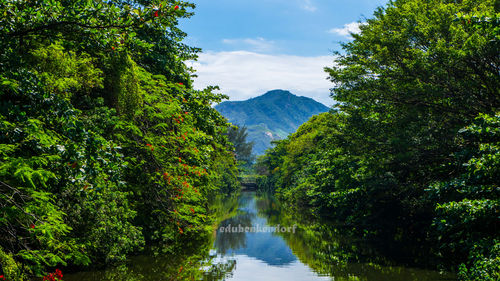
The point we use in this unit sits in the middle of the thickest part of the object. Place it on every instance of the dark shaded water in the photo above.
(312, 252)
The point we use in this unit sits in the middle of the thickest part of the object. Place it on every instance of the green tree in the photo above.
(391, 160)
(104, 145)
(242, 149)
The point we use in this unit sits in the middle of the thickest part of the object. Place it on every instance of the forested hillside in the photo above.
(271, 116)
(105, 148)
(411, 152)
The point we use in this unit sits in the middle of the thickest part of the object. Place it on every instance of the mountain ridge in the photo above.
(270, 116)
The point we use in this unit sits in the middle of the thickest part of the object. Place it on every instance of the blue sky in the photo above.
(252, 46)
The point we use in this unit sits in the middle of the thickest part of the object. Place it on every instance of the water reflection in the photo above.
(315, 251)
(263, 246)
(329, 252)
(257, 255)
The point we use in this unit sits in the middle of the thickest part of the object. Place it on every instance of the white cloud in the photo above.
(243, 75)
(258, 44)
(348, 28)
(309, 6)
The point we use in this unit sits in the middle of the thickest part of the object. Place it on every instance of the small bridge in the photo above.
(248, 183)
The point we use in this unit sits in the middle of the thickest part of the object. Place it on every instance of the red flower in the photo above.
(156, 14)
(113, 48)
(176, 7)
(59, 274)
(32, 226)
(180, 160)
(181, 84)
(2, 277)
(192, 210)
(52, 276)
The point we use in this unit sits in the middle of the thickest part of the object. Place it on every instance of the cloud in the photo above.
(258, 44)
(309, 6)
(243, 75)
(348, 28)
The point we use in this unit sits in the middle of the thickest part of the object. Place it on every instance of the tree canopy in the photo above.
(409, 152)
(105, 147)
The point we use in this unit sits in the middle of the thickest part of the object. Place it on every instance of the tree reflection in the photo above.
(189, 260)
(219, 270)
(330, 251)
(226, 241)
(322, 247)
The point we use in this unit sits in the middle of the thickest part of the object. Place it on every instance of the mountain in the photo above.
(271, 116)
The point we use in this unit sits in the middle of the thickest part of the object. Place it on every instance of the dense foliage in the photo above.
(104, 145)
(410, 151)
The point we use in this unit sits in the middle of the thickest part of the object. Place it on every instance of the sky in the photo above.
(252, 46)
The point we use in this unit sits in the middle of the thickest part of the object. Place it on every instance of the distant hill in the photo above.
(271, 116)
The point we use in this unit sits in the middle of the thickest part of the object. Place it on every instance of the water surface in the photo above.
(313, 252)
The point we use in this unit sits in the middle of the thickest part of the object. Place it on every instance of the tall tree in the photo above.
(104, 144)
(242, 149)
(417, 107)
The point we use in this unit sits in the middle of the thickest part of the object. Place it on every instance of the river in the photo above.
(248, 245)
